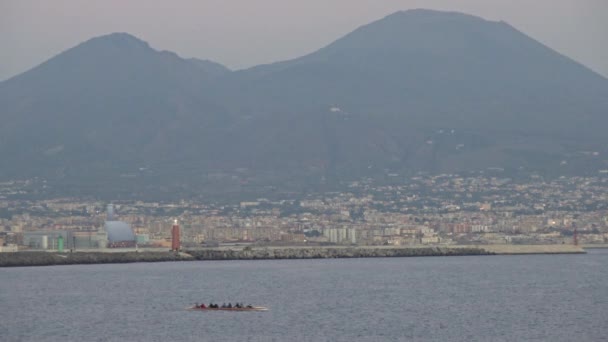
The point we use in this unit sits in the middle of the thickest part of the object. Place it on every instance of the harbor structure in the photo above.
(175, 237)
(119, 234)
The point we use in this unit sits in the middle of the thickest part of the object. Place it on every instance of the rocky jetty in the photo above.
(49, 258)
(262, 253)
(325, 252)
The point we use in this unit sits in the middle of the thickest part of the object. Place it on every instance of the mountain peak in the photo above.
(417, 30)
(428, 13)
(422, 17)
(118, 39)
(125, 36)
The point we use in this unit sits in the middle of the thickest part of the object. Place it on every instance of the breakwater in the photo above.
(328, 252)
(264, 253)
(258, 253)
(49, 258)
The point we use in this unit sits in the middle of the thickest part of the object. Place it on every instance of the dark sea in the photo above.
(473, 298)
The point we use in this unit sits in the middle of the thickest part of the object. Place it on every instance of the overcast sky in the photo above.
(243, 33)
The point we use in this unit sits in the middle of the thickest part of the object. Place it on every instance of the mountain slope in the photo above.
(415, 91)
(209, 67)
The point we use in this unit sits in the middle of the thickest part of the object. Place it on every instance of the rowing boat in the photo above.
(253, 308)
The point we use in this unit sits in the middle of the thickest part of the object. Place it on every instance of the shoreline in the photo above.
(49, 258)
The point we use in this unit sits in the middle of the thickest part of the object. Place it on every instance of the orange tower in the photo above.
(175, 245)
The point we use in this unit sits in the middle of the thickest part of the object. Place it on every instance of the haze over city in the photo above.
(241, 34)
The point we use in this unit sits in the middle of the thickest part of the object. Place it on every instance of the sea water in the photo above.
(472, 298)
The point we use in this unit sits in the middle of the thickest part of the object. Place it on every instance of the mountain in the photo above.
(415, 91)
(109, 105)
(510, 100)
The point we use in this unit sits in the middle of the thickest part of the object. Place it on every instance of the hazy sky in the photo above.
(243, 33)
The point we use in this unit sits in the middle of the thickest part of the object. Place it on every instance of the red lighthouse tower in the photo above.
(175, 244)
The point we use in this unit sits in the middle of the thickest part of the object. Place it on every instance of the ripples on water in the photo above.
(477, 298)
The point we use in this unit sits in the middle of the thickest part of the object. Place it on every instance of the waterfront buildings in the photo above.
(432, 210)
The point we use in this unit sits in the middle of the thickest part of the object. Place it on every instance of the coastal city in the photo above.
(439, 210)
(344, 171)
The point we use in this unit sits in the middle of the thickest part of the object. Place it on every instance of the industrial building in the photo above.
(88, 239)
(46, 239)
(69, 239)
(120, 234)
(341, 235)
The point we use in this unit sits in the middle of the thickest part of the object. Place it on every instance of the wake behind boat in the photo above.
(244, 308)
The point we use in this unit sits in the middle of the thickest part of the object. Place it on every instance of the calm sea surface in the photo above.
(478, 298)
